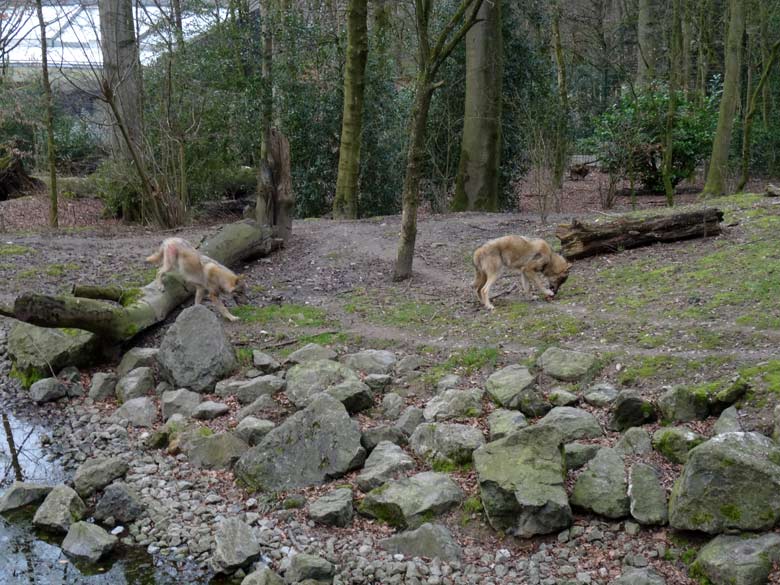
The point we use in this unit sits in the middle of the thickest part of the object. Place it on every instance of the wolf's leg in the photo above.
(524, 283)
(537, 280)
(491, 279)
(479, 281)
(167, 265)
(222, 309)
(199, 292)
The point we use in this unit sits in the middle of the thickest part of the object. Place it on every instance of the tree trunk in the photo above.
(581, 240)
(718, 168)
(562, 123)
(51, 146)
(674, 82)
(265, 185)
(648, 43)
(345, 204)
(476, 186)
(135, 310)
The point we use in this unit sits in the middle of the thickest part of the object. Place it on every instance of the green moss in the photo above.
(27, 377)
(764, 375)
(295, 315)
(130, 296)
(294, 502)
(14, 250)
(244, 357)
(60, 269)
(472, 505)
(465, 362)
(205, 432)
(731, 512)
(444, 465)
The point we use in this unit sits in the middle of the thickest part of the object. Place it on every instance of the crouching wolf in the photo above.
(532, 257)
(197, 269)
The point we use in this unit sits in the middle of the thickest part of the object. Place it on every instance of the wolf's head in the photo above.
(235, 284)
(557, 271)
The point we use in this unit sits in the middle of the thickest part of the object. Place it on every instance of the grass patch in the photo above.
(296, 315)
(666, 367)
(764, 376)
(464, 362)
(14, 250)
(60, 269)
(244, 357)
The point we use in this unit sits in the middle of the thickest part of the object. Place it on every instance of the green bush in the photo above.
(116, 183)
(629, 137)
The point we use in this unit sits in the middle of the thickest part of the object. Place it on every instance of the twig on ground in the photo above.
(504, 293)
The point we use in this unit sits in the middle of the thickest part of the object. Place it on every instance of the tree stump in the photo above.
(275, 196)
(14, 180)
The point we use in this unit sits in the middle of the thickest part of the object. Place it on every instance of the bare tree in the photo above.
(51, 147)
(14, 16)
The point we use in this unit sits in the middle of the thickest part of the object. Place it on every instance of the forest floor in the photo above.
(694, 313)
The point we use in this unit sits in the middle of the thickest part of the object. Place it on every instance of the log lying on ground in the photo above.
(772, 190)
(580, 240)
(116, 314)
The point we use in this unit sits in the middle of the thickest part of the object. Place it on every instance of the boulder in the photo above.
(309, 570)
(739, 559)
(135, 384)
(87, 542)
(378, 382)
(408, 364)
(601, 395)
(674, 443)
(181, 401)
(195, 352)
(562, 397)
(646, 495)
(251, 430)
(137, 357)
(410, 419)
(446, 443)
(264, 362)
(313, 445)
(452, 404)
(578, 454)
(247, 391)
(96, 473)
(503, 422)
(103, 386)
(635, 441)
(219, 451)
(644, 576)
(514, 387)
(731, 482)
(120, 502)
(306, 380)
(392, 406)
(602, 487)
(371, 361)
(333, 509)
(36, 351)
(631, 410)
(235, 546)
(47, 390)
(22, 494)
(408, 502)
(61, 508)
(447, 382)
(262, 407)
(681, 404)
(70, 375)
(521, 481)
(310, 353)
(572, 423)
(728, 422)
(263, 576)
(385, 462)
(139, 412)
(210, 410)
(370, 438)
(429, 540)
(566, 365)
(353, 394)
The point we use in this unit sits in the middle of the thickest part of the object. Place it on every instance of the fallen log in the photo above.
(115, 314)
(580, 240)
(772, 190)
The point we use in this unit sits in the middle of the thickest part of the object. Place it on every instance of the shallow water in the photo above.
(31, 557)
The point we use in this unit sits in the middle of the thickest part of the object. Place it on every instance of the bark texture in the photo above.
(51, 146)
(275, 196)
(648, 42)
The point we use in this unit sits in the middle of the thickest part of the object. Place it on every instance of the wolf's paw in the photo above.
(230, 317)
(549, 297)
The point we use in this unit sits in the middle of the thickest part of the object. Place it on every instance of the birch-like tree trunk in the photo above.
(718, 169)
(675, 73)
(345, 204)
(648, 42)
(51, 146)
(476, 185)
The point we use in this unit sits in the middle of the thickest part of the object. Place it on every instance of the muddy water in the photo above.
(29, 557)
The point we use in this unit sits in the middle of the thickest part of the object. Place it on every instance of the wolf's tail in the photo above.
(480, 276)
(155, 258)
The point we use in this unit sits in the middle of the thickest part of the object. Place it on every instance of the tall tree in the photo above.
(431, 54)
(476, 185)
(648, 42)
(675, 74)
(345, 204)
(716, 175)
(264, 211)
(47, 97)
(562, 123)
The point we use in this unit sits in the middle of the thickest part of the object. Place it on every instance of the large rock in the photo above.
(333, 509)
(251, 430)
(137, 357)
(22, 494)
(353, 394)
(103, 386)
(728, 422)
(392, 405)
(195, 352)
(370, 438)
(562, 397)
(371, 361)
(634, 576)
(601, 395)
(635, 441)
(578, 454)
(95, 474)
(181, 401)
(681, 404)
(454, 404)
(264, 406)
(602, 487)
(219, 451)
(731, 482)
(36, 351)
(61, 508)
(647, 497)
(739, 560)
(235, 546)
(503, 422)
(572, 423)
(310, 353)
(674, 443)
(263, 576)
(631, 410)
(264, 362)
(410, 419)
(386, 462)
(408, 502)
(429, 540)
(521, 480)
(566, 365)
(306, 380)
(135, 384)
(120, 502)
(313, 445)
(87, 542)
(209, 410)
(139, 412)
(446, 443)
(309, 570)
(47, 390)
(515, 387)
(247, 391)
